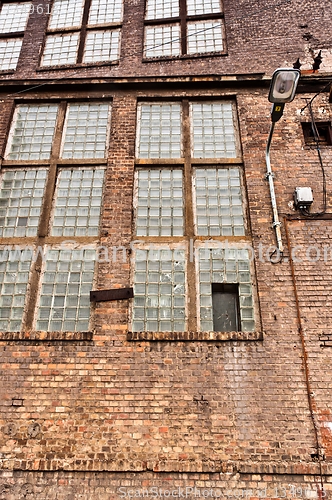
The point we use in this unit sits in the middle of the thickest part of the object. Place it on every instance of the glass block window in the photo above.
(86, 130)
(65, 294)
(156, 9)
(174, 28)
(60, 49)
(104, 11)
(66, 14)
(9, 53)
(21, 195)
(159, 202)
(229, 265)
(14, 276)
(32, 132)
(205, 36)
(77, 202)
(159, 131)
(200, 7)
(14, 16)
(219, 210)
(159, 303)
(162, 41)
(102, 46)
(213, 134)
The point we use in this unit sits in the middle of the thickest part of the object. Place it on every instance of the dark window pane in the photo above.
(225, 303)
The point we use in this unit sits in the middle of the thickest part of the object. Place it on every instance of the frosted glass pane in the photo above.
(67, 291)
(9, 53)
(77, 202)
(104, 11)
(156, 9)
(159, 129)
(204, 36)
(199, 7)
(60, 49)
(160, 305)
(102, 46)
(162, 41)
(21, 195)
(32, 132)
(213, 134)
(66, 13)
(14, 16)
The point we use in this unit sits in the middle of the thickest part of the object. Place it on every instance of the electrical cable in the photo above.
(315, 132)
(318, 93)
(138, 52)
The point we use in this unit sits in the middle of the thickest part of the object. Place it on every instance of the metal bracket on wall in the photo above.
(113, 294)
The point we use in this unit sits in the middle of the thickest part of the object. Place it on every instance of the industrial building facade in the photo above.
(154, 340)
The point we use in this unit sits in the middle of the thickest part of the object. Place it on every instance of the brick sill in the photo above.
(190, 336)
(45, 336)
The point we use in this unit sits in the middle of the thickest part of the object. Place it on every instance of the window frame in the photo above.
(191, 240)
(183, 20)
(82, 30)
(14, 35)
(44, 238)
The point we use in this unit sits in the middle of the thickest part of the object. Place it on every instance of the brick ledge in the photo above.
(45, 336)
(189, 336)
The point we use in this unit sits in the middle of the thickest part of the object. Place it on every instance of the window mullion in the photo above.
(51, 178)
(183, 17)
(83, 31)
(189, 218)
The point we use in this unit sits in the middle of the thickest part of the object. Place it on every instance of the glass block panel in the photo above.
(218, 198)
(156, 9)
(159, 203)
(32, 132)
(104, 11)
(161, 41)
(9, 53)
(14, 273)
(213, 134)
(60, 49)
(66, 14)
(77, 202)
(14, 16)
(159, 303)
(102, 46)
(67, 281)
(223, 265)
(198, 7)
(21, 195)
(204, 36)
(159, 128)
(86, 130)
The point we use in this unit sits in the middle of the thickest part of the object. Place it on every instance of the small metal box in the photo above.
(303, 197)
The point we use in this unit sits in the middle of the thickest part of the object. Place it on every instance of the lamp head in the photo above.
(283, 85)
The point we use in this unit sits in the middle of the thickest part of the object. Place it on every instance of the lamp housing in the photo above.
(283, 85)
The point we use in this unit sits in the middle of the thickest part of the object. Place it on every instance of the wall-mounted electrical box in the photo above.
(303, 197)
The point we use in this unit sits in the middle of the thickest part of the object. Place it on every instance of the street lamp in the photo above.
(282, 89)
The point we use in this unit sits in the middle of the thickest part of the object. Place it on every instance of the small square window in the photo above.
(324, 131)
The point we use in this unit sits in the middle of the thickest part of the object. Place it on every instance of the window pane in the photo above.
(159, 131)
(156, 9)
(219, 202)
(14, 271)
(198, 7)
(213, 134)
(104, 11)
(66, 13)
(225, 303)
(9, 53)
(227, 266)
(32, 132)
(102, 46)
(21, 197)
(162, 41)
(14, 17)
(67, 281)
(77, 202)
(86, 130)
(204, 36)
(159, 203)
(60, 49)
(159, 303)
